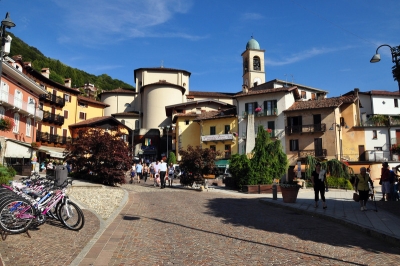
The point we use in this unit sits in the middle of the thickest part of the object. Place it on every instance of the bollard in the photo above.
(274, 191)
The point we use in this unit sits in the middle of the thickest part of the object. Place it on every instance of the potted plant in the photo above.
(257, 110)
(36, 145)
(275, 111)
(379, 120)
(289, 190)
(6, 123)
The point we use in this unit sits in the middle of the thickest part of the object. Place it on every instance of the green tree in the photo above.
(268, 160)
(100, 156)
(240, 168)
(396, 67)
(171, 158)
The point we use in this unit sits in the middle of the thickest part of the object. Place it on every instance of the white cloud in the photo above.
(94, 21)
(294, 58)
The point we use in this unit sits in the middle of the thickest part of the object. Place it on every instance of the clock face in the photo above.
(257, 80)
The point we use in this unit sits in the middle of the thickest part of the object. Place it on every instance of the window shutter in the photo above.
(246, 107)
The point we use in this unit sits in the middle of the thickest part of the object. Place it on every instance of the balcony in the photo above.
(262, 113)
(216, 138)
(10, 102)
(52, 99)
(52, 138)
(314, 128)
(53, 118)
(315, 153)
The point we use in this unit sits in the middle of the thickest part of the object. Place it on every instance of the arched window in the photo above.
(16, 123)
(256, 63)
(28, 127)
(2, 111)
(4, 92)
(18, 99)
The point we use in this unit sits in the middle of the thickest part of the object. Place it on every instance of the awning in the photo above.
(16, 149)
(221, 163)
(54, 152)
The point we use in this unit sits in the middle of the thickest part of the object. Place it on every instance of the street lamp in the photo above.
(5, 24)
(167, 139)
(395, 58)
(339, 127)
(34, 123)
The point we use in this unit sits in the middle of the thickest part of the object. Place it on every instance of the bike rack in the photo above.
(4, 234)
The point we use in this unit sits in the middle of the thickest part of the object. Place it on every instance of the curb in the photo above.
(103, 227)
(368, 231)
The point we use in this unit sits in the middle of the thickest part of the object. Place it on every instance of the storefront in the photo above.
(18, 154)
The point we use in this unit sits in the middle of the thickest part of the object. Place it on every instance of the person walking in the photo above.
(156, 172)
(139, 169)
(385, 181)
(361, 186)
(152, 172)
(163, 171)
(145, 172)
(171, 172)
(133, 173)
(318, 179)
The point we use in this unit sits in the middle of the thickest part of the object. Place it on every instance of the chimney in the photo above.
(67, 82)
(356, 91)
(46, 72)
(245, 89)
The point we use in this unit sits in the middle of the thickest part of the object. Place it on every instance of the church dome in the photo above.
(252, 44)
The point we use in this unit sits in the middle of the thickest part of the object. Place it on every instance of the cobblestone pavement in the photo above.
(183, 227)
(50, 243)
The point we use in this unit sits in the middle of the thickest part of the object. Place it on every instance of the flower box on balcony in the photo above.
(258, 109)
(6, 123)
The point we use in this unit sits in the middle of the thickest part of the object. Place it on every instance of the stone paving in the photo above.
(186, 227)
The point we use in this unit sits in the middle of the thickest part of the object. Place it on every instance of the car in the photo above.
(178, 171)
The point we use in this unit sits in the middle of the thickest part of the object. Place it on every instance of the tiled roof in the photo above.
(322, 103)
(262, 90)
(121, 90)
(385, 93)
(86, 99)
(211, 94)
(133, 113)
(231, 112)
(91, 121)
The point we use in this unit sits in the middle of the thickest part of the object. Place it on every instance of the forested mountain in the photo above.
(60, 71)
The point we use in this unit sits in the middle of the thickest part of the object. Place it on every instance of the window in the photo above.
(271, 128)
(374, 134)
(82, 105)
(256, 63)
(212, 147)
(212, 130)
(65, 114)
(82, 115)
(28, 127)
(16, 123)
(250, 107)
(396, 103)
(186, 122)
(312, 96)
(227, 151)
(294, 145)
(67, 98)
(2, 111)
(270, 107)
(303, 95)
(227, 129)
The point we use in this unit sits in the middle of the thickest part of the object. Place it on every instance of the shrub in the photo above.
(339, 182)
(6, 174)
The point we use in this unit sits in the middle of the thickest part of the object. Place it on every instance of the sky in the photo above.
(317, 43)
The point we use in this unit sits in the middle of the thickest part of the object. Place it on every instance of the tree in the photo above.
(396, 67)
(268, 160)
(197, 162)
(171, 158)
(239, 167)
(100, 156)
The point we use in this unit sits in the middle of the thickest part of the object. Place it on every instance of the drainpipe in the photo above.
(238, 129)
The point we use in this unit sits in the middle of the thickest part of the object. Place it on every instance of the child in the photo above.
(157, 180)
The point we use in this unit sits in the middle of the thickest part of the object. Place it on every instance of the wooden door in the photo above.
(361, 153)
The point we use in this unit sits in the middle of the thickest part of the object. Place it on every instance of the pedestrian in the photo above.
(156, 170)
(362, 187)
(162, 171)
(171, 172)
(139, 169)
(152, 171)
(133, 173)
(385, 181)
(319, 181)
(145, 172)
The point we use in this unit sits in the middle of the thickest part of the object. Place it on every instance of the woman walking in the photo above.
(318, 180)
(361, 186)
(145, 172)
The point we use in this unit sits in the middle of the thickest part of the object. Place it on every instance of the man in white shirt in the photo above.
(163, 171)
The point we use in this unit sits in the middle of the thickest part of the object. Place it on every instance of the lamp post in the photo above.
(167, 139)
(395, 59)
(339, 127)
(5, 24)
(34, 123)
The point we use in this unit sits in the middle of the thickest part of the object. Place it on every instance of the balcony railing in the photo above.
(53, 118)
(52, 138)
(315, 128)
(219, 137)
(262, 113)
(316, 153)
(54, 99)
(9, 100)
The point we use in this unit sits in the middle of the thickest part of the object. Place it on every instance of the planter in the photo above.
(267, 189)
(289, 194)
(251, 189)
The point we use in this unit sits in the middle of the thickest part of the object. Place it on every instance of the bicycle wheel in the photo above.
(71, 216)
(16, 216)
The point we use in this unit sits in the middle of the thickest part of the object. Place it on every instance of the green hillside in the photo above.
(60, 71)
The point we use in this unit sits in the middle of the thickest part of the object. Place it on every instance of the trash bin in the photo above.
(61, 174)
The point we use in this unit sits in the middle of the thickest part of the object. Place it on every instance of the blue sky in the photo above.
(317, 43)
